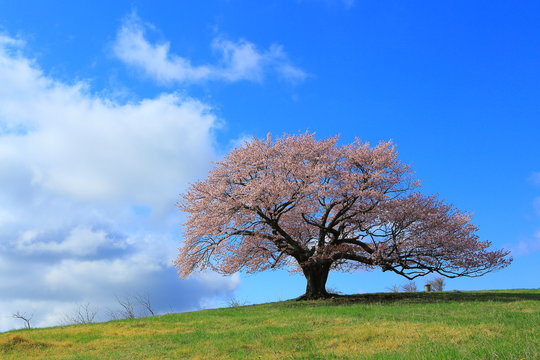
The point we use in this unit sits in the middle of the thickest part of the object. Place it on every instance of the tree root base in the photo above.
(317, 297)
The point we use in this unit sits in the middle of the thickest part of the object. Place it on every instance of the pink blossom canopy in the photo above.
(295, 201)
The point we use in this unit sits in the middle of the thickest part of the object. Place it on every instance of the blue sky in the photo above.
(108, 110)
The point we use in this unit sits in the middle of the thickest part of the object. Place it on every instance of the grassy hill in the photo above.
(502, 324)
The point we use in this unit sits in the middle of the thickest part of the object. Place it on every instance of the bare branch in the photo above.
(145, 303)
(24, 317)
(84, 314)
(127, 308)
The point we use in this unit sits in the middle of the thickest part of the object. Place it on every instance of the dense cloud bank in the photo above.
(88, 187)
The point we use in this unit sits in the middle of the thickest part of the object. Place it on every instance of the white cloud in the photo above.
(76, 276)
(238, 60)
(216, 282)
(88, 188)
(89, 148)
(240, 141)
(81, 241)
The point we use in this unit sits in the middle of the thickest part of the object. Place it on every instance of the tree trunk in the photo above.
(316, 275)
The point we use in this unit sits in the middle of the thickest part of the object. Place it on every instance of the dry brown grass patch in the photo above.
(20, 343)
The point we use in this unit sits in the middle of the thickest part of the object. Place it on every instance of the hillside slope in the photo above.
(503, 324)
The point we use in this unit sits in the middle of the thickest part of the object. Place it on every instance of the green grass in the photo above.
(503, 324)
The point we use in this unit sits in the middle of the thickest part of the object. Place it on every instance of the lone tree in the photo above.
(316, 206)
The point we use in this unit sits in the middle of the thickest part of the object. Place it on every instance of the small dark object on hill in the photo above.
(437, 284)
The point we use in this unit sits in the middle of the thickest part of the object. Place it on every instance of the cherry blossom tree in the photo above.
(314, 206)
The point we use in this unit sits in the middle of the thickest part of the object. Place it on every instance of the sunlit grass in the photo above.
(449, 325)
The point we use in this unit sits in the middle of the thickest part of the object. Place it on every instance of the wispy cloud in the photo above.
(536, 205)
(236, 60)
(88, 188)
(531, 245)
(526, 247)
(535, 178)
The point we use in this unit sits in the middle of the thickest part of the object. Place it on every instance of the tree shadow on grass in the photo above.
(425, 297)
